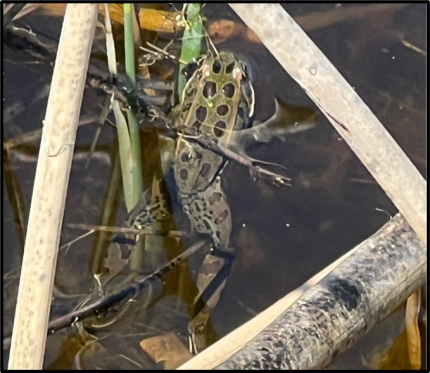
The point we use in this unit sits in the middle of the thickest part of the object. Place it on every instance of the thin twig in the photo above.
(127, 230)
(112, 299)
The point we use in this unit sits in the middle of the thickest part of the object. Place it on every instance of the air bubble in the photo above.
(313, 70)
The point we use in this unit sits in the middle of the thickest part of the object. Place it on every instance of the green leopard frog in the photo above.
(217, 100)
(217, 104)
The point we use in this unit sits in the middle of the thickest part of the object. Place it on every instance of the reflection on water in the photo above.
(283, 235)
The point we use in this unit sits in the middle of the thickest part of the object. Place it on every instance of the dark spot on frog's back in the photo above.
(228, 90)
(221, 217)
(209, 89)
(222, 110)
(183, 174)
(219, 128)
(201, 113)
(214, 198)
(125, 251)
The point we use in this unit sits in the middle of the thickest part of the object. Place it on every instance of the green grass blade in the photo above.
(130, 69)
(136, 155)
(125, 156)
(130, 66)
(191, 41)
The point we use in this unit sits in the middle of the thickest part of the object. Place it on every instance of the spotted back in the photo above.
(218, 98)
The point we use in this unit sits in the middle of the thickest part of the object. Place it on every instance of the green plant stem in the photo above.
(130, 69)
(191, 41)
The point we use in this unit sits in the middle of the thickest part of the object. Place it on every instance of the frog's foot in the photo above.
(211, 281)
(153, 207)
(197, 331)
(118, 254)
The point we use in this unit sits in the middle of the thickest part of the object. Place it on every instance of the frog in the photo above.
(217, 101)
(218, 104)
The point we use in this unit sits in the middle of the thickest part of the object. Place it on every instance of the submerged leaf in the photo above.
(396, 358)
(168, 349)
(412, 330)
(191, 41)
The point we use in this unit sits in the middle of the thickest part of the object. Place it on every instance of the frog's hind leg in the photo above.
(211, 281)
(153, 208)
(210, 214)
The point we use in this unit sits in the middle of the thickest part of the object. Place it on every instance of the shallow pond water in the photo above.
(282, 235)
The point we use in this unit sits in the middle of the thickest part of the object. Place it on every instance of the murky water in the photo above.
(282, 235)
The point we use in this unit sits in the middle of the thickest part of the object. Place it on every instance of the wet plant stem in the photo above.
(108, 301)
(191, 41)
(130, 69)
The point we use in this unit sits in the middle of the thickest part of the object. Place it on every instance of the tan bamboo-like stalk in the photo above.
(50, 187)
(342, 106)
(311, 325)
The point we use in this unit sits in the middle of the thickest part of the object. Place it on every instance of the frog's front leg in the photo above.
(152, 208)
(287, 119)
